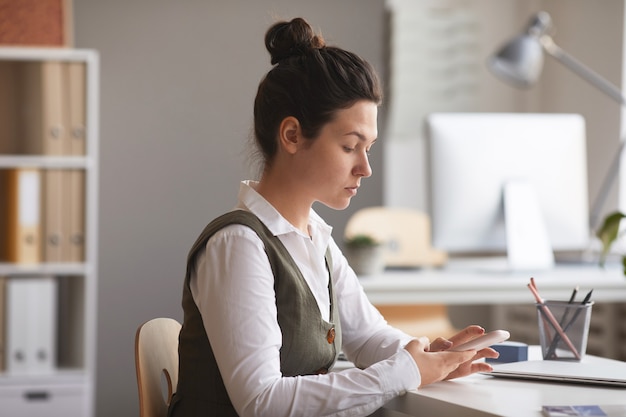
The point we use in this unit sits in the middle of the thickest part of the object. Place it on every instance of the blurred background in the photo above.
(178, 81)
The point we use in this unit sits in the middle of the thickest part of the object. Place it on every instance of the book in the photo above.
(608, 410)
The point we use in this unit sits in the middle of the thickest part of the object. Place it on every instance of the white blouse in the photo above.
(233, 287)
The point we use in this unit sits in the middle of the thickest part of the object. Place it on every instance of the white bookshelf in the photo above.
(67, 390)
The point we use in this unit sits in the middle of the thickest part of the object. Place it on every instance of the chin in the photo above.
(338, 205)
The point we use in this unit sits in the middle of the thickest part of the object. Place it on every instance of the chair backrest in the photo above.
(404, 232)
(156, 363)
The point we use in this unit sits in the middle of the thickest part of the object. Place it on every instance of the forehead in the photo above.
(359, 118)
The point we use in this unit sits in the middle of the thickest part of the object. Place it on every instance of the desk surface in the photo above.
(483, 395)
(489, 282)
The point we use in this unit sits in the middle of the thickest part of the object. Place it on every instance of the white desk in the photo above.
(488, 282)
(482, 395)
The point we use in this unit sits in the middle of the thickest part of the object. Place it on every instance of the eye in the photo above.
(348, 149)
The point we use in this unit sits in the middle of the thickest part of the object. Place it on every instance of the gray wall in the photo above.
(177, 83)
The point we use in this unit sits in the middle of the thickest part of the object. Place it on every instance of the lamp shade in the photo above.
(520, 61)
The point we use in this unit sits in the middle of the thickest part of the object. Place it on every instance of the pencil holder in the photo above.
(563, 329)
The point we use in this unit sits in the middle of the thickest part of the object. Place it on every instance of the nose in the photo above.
(363, 167)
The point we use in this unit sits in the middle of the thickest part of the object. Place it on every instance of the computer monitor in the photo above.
(508, 182)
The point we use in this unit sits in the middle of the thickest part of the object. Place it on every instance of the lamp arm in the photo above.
(605, 187)
(582, 70)
(612, 91)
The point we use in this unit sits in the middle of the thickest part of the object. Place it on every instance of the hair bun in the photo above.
(295, 38)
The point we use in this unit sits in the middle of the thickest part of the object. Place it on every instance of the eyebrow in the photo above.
(360, 136)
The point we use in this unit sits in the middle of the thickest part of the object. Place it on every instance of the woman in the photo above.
(269, 299)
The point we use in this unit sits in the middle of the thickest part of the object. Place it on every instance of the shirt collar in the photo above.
(251, 200)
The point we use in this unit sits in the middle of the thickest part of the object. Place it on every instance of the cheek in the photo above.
(335, 168)
(325, 166)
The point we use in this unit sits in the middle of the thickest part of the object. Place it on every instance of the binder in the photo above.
(74, 222)
(75, 83)
(63, 211)
(3, 281)
(20, 215)
(71, 322)
(8, 113)
(54, 238)
(31, 324)
(43, 109)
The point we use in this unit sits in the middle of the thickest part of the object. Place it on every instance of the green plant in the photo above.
(608, 233)
(361, 241)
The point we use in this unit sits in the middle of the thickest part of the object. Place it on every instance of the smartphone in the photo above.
(483, 341)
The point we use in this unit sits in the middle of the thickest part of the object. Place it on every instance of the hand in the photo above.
(435, 364)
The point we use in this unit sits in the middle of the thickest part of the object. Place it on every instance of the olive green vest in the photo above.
(310, 345)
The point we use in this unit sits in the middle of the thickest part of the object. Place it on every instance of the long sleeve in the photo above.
(367, 338)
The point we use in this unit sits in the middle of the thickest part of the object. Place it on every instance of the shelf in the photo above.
(51, 99)
(60, 376)
(9, 269)
(18, 53)
(38, 161)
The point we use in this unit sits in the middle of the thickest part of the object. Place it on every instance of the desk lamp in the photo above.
(519, 63)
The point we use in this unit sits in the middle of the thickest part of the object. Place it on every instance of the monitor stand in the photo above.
(527, 240)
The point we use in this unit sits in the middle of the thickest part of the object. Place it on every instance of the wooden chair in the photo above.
(156, 363)
(405, 234)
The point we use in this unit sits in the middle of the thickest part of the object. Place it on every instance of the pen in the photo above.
(584, 302)
(570, 301)
(573, 296)
(548, 314)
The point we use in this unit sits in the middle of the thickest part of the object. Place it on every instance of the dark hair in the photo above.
(309, 81)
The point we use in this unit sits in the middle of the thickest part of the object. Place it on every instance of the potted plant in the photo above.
(364, 254)
(608, 233)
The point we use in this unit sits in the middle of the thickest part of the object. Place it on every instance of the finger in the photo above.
(467, 334)
(481, 367)
(461, 357)
(424, 342)
(440, 344)
(487, 353)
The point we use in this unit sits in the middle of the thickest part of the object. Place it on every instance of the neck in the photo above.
(284, 197)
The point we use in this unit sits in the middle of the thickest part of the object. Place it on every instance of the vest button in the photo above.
(330, 336)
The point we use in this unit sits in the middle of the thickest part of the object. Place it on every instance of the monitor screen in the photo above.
(474, 157)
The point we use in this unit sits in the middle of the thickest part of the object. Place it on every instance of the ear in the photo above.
(289, 134)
